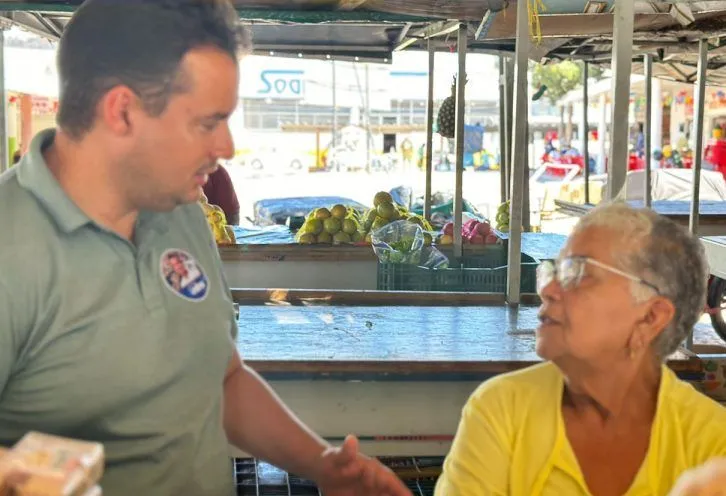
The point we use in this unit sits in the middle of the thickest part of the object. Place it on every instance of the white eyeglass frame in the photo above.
(553, 271)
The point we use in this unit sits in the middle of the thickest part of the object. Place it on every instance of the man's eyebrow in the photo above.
(219, 116)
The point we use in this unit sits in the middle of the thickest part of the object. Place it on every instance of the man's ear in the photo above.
(658, 312)
(118, 108)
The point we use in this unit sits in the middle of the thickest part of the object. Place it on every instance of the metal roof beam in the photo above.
(28, 22)
(49, 25)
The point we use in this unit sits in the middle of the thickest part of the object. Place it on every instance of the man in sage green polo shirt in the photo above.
(115, 322)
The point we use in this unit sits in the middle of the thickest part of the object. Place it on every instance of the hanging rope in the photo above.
(534, 9)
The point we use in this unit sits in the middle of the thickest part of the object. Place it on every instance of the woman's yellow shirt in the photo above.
(511, 439)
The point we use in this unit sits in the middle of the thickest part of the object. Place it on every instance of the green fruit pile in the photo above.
(503, 217)
(385, 211)
(337, 225)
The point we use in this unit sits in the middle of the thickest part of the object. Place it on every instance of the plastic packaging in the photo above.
(399, 242)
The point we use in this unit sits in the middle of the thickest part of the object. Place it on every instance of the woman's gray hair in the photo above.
(666, 255)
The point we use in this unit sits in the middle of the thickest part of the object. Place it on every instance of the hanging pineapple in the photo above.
(446, 120)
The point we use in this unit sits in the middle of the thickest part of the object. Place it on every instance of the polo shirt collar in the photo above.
(33, 175)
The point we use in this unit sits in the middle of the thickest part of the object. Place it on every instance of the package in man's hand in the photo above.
(42, 465)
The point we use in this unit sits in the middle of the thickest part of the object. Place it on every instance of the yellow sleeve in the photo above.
(480, 457)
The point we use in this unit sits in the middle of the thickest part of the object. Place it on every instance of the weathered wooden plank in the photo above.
(397, 340)
(296, 253)
(302, 297)
(321, 253)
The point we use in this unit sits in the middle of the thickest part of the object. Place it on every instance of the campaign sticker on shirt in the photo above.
(183, 275)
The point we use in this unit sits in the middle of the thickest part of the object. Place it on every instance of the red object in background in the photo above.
(551, 135)
(715, 154)
(565, 159)
(220, 191)
(635, 163)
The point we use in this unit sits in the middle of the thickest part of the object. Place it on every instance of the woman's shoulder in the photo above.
(700, 421)
(530, 384)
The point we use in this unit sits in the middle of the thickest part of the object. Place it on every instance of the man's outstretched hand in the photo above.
(345, 471)
(707, 480)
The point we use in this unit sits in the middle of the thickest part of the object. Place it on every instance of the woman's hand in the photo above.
(707, 480)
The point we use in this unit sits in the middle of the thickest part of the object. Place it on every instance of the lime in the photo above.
(331, 225)
(339, 211)
(379, 223)
(382, 197)
(307, 239)
(341, 237)
(322, 213)
(314, 226)
(386, 210)
(350, 226)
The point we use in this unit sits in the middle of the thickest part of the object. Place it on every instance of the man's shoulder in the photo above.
(192, 217)
(23, 222)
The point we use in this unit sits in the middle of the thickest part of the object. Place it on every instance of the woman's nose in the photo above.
(551, 290)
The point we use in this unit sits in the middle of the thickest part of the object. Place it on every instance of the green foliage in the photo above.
(562, 77)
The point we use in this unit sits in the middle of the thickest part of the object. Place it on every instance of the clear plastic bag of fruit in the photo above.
(431, 258)
(399, 242)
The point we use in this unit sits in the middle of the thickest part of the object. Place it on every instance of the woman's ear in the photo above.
(657, 313)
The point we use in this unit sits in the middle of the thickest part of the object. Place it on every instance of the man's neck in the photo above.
(83, 171)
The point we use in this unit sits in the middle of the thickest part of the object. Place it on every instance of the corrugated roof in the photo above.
(372, 29)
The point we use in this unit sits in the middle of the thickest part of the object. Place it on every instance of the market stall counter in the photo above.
(712, 214)
(289, 265)
(393, 367)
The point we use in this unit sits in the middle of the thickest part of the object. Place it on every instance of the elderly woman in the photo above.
(603, 416)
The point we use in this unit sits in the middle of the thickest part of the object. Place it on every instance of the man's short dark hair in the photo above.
(139, 44)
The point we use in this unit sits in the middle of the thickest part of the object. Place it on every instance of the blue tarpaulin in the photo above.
(268, 235)
(277, 210)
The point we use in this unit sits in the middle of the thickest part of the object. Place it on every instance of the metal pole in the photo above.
(335, 107)
(585, 130)
(509, 92)
(4, 158)
(648, 62)
(429, 132)
(459, 140)
(622, 67)
(526, 217)
(504, 191)
(518, 166)
(698, 131)
(368, 120)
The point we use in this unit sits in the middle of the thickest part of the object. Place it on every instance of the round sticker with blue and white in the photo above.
(183, 275)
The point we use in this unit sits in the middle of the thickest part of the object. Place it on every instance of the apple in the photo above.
(469, 234)
(483, 228)
(448, 229)
(471, 223)
(478, 240)
(491, 238)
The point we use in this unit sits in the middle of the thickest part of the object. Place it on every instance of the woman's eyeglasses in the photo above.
(569, 272)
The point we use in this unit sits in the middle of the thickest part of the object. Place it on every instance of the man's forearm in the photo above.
(257, 422)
